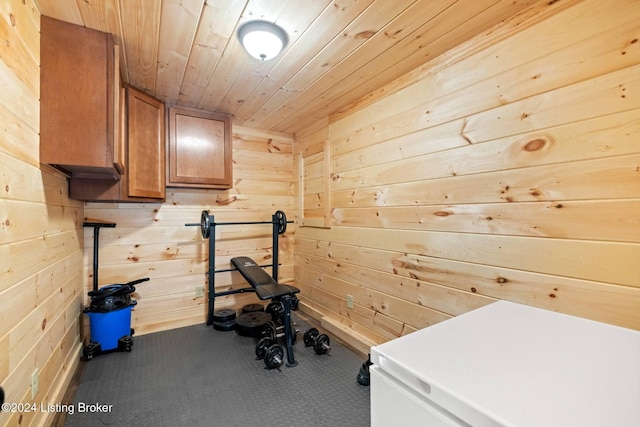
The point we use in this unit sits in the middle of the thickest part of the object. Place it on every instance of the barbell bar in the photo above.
(205, 223)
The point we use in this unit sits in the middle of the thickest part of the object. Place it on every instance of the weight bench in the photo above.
(266, 288)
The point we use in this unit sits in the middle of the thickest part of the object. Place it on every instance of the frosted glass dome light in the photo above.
(261, 39)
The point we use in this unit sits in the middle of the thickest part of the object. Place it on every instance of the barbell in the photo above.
(206, 222)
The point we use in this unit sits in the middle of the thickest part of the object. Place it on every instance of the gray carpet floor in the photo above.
(197, 376)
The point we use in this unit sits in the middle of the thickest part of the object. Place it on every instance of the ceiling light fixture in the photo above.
(262, 39)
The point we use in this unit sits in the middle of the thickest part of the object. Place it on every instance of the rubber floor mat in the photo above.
(197, 376)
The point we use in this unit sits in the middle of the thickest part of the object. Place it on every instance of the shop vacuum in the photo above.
(110, 308)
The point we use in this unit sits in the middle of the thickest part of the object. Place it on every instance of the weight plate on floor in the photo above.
(252, 324)
(224, 315)
(225, 326)
(249, 308)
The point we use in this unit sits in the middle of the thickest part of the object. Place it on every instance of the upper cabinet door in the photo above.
(142, 132)
(79, 100)
(146, 149)
(200, 153)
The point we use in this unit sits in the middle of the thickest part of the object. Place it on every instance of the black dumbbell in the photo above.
(320, 342)
(272, 354)
(276, 309)
(273, 331)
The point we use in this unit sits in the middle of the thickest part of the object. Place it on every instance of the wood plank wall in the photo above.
(151, 240)
(508, 168)
(40, 235)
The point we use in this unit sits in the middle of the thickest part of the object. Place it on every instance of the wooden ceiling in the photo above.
(186, 51)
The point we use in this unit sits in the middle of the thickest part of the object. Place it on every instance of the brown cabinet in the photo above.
(199, 149)
(144, 176)
(79, 90)
(145, 146)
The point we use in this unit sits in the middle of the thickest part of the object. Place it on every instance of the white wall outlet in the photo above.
(199, 291)
(349, 301)
(35, 383)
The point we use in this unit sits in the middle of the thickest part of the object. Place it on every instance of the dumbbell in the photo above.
(320, 342)
(272, 354)
(273, 331)
(276, 309)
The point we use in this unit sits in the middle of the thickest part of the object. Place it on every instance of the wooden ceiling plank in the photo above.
(101, 15)
(455, 62)
(344, 87)
(63, 10)
(402, 27)
(140, 20)
(358, 33)
(333, 20)
(450, 36)
(294, 23)
(426, 43)
(178, 26)
(236, 66)
(104, 15)
(216, 27)
(489, 41)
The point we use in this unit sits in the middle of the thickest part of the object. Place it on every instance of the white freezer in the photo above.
(508, 364)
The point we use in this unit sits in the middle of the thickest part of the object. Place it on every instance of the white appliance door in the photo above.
(395, 404)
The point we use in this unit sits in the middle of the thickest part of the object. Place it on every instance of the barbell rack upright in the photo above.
(212, 268)
(276, 223)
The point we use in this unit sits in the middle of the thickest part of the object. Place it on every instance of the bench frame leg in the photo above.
(288, 331)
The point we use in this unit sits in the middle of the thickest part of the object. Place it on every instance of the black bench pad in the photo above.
(266, 287)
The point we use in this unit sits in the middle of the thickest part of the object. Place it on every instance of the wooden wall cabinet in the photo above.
(144, 178)
(199, 149)
(145, 146)
(79, 90)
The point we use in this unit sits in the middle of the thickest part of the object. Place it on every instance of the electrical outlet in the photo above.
(34, 384)
(349, 301)
(199, 291)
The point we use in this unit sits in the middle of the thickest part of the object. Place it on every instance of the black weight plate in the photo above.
(276, 309)
(224, 326)
(224, 315)
(252, 324)
(274, 306)
(263, 345)
(310, 336)
(270, 330)
(250, 308)
(205, 224)
(295, 302)
(323, 344)
(274, 357)
(282, 222)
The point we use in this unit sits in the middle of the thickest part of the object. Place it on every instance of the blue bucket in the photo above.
(107, 328)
